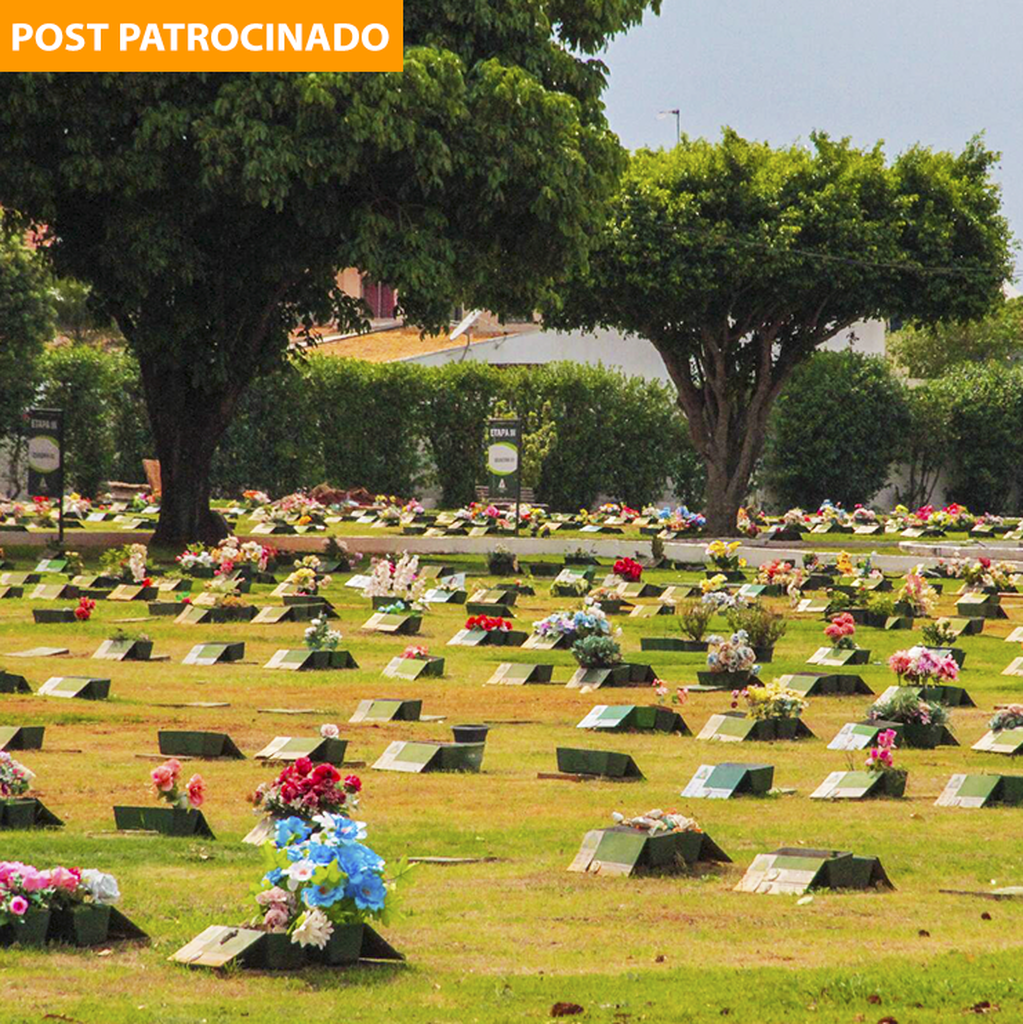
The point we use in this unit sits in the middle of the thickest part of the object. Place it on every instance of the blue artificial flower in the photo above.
(291, 828)
(320, 854)
(273, 877)
(368, 891)
(321, 896)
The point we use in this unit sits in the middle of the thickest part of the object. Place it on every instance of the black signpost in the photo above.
(45, 431)
(504, 462)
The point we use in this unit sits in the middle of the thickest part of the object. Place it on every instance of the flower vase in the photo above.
(279, 953)
(87, 924)
(343, 947)
(894, 783)
(30, 929)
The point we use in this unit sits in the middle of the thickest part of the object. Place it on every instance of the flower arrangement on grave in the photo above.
(254, 498)
(166, 778)
(337, 551)
(195, 556)
(578, 586)
(321, 876)
(694, 619)
(921, 666)
(880, 760)
(628, 570)
(320, 637)
(122, 635)
(24, 888)
(713, 584)
(86, 606)
(233, 553)
(329, 731)
(863, 515)
(779, 573)
(75, 565)
(43, 510)
(983, 574)
(416, 652)
(762, 626)
(723, 556)
(746, 522)
(595, 597)
(128, 563)
(771, 701)
(663, 694)
(488, 623)
(841, 632)
(590, 621)
(939, 634)
(501, 562)
(15, 778)
(657, 822)
(305, 581)
(597, 652)
(1008, 717)
(399, 579)
(304, 789)
(906, 707)
(880, 604)
(916, 592)
(76, 505)
(795, 517)
(732, 655)
(716, 596)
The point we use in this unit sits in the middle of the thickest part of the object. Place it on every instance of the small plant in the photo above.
(694, 619)
(838, 600)
(15, 778)
(657, 548)
(881, 604)
(337, 551)
(763, 626)
(906, 707)
(122, 635)
(939, 634)
(841, 631)
(501, 562)
(597, 652)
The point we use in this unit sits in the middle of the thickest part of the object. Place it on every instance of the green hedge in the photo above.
(391, 427)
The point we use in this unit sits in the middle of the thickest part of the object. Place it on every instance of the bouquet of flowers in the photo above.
(15, 778)
(195, 556)
(304, 790)
(488, 623)
(657, 822)
(320, 637)
(661, 691)
(921, 597)
(906, 707)
(880, 760)
(780, 573)
(321, 876)
(86, 606)
(165, 784)
(628, 570)
(575, 625)
(76, 505)
(399, 579)
(232, 553)
(771, 701)
(985, 574)
(723, 556)
(731, 655)
(127, 562)
(417, 652)
(252, 498)
(841, 630)
(920, 666)
(305, 580)
(1009, 717)
(24, 887)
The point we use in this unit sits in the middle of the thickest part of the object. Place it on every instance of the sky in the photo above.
(903, 71)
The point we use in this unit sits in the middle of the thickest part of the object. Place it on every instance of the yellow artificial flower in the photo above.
(742, 563)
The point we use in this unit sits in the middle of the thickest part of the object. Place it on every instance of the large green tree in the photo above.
(737, 260)
(929, 350)
(210, 213)
(27, 312)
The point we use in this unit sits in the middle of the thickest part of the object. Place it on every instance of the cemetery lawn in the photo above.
(507, 937)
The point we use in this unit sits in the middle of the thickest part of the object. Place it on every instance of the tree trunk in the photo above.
(721, 503)
(187, 423)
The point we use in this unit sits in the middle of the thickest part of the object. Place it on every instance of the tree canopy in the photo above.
(27, 313)
(211, 213)
(930, 350)
(736, 260)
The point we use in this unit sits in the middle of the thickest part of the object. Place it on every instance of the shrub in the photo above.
(836, 429)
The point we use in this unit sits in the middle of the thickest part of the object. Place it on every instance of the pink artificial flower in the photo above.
(276, 917)
(196, 790)
(65, 878)
(900, 662)
(163, 778)
(19, 905)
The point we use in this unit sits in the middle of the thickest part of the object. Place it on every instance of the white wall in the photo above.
(635, 356)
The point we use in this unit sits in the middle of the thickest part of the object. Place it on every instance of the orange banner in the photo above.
(109, 35)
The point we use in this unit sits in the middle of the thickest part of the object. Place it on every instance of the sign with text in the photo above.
(45, 432)
(503, 461)
(110, 35)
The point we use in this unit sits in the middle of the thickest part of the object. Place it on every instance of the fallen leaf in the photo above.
(803, 900)
(566, 1009)
(874, 999)
(984, 1006)
(985, 916)
(105, 952)
(659, 959)
(924, 934)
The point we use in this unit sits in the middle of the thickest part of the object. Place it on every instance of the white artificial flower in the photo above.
(329, 731)
(314, 929)
(103, 887)
(299, 872)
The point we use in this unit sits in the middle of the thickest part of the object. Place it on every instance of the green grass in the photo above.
(504, 939)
